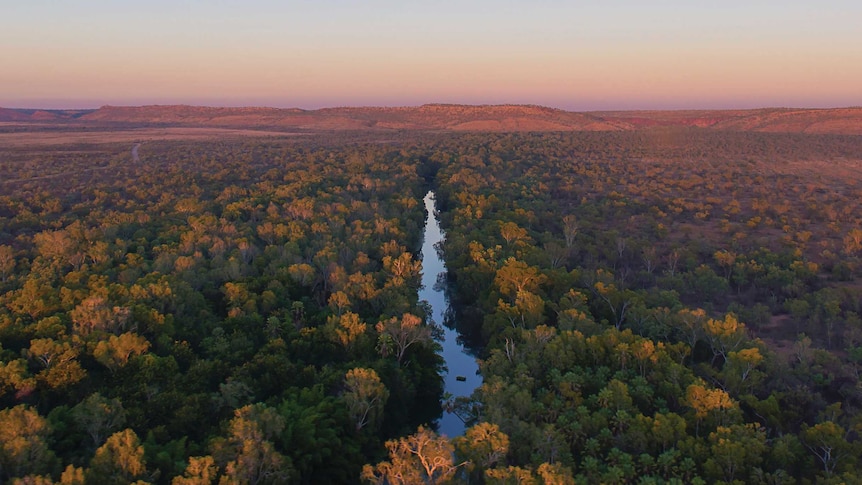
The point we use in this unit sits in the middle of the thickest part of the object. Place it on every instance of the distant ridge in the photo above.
(11, 114)
(454, 117)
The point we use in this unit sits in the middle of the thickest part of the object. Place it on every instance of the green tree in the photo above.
(828, 442)
(735, 449)
(98, 416)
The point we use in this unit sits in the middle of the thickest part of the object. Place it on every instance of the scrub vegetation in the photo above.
(671, 305)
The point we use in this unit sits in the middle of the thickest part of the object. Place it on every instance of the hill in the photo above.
(445, 117)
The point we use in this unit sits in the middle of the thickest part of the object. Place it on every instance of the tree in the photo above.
(513, 235)
(365, 396)
(36, 298)
(555, 474)
(526, 312)
(7, 262)
(725, 336)
(48, 352)
(735, 449)
(249, 455)
(339, 302)
(690, 323)
(348, 328)
(201, 470)
(33, 480)
(23, 446)
(60, 368)
(740, 372)
(570, 229)
(511, 475)
(481, 447)
(302, 273)
(115, 352)
(516, 276)
(402, 270)
(828, 442)
(726, 260)
(706, 402)
(14, 376)
(73, 475)
(96, 314)
(99, 416)
(853, 241)
(423, 457)
(401, 334)
(618, 301)
(120, 460)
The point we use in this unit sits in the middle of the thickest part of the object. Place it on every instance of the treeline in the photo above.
(234, 312)
(620, 284)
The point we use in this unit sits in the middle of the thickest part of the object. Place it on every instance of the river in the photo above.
(462, 377)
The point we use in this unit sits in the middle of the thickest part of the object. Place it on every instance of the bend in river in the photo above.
(462, 377)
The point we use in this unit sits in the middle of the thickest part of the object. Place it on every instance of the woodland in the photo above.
(664, 306)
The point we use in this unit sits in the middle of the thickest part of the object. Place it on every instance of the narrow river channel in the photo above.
(462, 377)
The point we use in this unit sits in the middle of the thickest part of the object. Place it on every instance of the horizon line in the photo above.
(428, 104)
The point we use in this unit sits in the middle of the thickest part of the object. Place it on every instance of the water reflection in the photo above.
(462, 377)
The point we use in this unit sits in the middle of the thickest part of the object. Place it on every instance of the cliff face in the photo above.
(443, 117)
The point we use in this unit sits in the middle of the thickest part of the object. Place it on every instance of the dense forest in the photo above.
(660, 306)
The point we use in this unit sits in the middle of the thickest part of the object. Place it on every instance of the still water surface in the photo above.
(459, 362)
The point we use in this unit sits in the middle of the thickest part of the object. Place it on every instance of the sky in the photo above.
(574, 55)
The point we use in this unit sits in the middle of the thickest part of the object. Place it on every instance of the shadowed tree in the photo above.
(570, 229)
(828, 442)
(365, 396)
(99, 416)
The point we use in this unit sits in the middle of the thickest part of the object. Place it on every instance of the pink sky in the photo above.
(621, 55)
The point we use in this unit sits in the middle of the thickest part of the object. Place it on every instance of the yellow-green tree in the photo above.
(23, 446)
(248, 456)
(201, 470)
(828, 442)
(120, 460)
(365, 396)
(482, 446)
(115, 352)
(734, 450)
